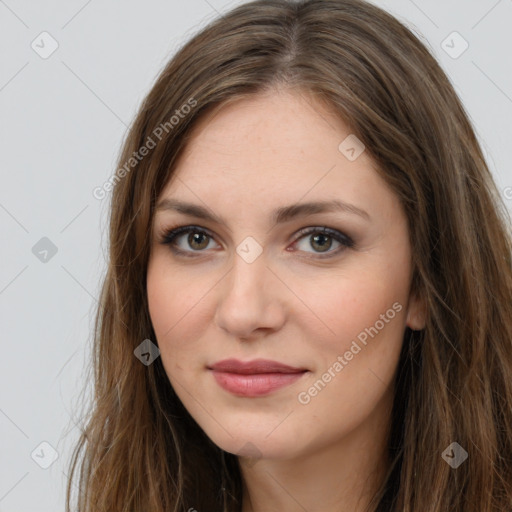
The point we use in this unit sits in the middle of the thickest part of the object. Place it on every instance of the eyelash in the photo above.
(169, 236)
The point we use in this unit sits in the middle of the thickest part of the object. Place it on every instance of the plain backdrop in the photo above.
(63, 117)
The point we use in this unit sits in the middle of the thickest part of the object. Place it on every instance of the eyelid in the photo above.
(169, 235)
(333, 233)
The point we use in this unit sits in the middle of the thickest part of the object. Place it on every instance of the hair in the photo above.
(142, 449)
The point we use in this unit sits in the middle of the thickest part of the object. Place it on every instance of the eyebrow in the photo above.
(278, 216)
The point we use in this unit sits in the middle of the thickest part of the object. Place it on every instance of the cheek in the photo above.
(361, 317)
(344, 305)
(354, 366)
(176, 304)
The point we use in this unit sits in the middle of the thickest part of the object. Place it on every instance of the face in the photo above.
(326, 292)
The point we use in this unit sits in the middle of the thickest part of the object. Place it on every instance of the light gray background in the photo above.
(62, 121)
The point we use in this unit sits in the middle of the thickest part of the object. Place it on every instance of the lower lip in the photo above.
(255, 384)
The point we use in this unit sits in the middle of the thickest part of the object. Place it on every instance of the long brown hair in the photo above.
(142, 450)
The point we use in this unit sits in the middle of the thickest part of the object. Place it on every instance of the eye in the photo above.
(322, 240)
(198, 239)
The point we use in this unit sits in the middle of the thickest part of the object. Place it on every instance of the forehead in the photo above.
(269, 150)
(280, 123)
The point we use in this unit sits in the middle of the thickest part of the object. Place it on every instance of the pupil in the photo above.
(323, 247)
(319, 240)
(196, 238)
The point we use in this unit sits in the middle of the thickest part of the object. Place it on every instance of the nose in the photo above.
(251, 299)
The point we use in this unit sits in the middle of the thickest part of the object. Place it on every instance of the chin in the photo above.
(254, 442)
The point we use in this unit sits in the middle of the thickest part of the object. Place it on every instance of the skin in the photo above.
(292, 304)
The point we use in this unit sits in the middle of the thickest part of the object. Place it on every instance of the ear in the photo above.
(416, 312)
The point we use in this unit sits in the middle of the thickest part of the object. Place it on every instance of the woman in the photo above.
(245, 363)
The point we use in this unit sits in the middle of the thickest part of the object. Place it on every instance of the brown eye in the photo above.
(321, 240)
(196, 241)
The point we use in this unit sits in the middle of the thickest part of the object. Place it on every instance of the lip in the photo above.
(255, 366)
(254, 378)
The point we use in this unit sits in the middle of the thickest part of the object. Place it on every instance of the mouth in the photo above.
(254, 378)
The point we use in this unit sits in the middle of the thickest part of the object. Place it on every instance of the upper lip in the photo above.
(254, 366)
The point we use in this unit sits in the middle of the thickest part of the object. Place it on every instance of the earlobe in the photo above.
(417, 313)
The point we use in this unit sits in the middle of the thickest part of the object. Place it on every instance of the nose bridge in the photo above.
(247, 302)
(248, 274)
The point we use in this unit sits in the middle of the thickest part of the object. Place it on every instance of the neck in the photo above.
(341, 476)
